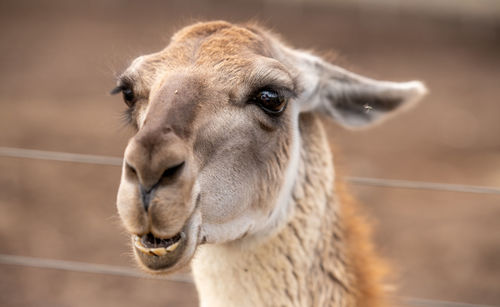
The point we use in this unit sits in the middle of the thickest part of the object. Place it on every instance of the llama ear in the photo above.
(353, 101)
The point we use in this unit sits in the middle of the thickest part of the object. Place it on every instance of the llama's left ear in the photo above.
(353, 101)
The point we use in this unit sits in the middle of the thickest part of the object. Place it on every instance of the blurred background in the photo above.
(59, 59)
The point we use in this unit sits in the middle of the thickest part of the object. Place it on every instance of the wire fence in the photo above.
(91, 268)
(84, 267)
(59, 156)
(116, 161)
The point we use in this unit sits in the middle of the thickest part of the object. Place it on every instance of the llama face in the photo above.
(215, 121)
(216, 149)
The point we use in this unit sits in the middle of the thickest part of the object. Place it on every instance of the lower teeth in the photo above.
(156, 251)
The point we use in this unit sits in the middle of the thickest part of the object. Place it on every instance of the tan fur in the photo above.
(252, 192)
(323, 256)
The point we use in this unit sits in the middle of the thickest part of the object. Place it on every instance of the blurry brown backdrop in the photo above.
(58, 60)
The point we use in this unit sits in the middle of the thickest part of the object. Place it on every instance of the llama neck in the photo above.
(303, 264)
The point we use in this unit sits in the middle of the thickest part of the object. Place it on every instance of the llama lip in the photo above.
(162, 256)
(159, 256)
(151, 245)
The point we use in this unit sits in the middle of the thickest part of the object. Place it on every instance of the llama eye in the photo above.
(128, 96)
(270, 101)
(127, 92)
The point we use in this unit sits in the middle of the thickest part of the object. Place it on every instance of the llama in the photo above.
(231, 170)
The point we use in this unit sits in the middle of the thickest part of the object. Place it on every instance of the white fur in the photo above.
(136, 64)
(282, 209)
(309, 79)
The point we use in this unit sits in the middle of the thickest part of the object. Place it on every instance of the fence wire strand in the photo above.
(378, 182)
(59, 156)
(420, 185)
(91, 268)
(83, 267)
(421, 302)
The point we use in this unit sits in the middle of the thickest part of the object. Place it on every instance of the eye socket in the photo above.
(270, 101)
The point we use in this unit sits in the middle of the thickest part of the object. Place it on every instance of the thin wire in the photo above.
(413, 301)
(378, 182)
(83, 267)
(59, 156)
(420, 185)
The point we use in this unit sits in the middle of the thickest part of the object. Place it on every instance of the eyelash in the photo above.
(130, 99)
(128, 117)
(127, 90)
(128, 96)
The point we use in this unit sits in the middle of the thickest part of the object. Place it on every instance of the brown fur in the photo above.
(368, 268)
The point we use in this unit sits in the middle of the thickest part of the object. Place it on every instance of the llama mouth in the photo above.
(165, 255)
(157, 254)
(151, 245)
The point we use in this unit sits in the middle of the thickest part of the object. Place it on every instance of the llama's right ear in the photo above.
(352, 100)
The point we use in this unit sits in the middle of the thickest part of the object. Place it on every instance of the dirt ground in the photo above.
(58, 60)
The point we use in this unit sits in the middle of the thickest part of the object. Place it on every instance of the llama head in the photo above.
(217, 141)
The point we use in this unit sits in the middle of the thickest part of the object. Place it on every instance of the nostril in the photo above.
(147, 192)
(172, 172)
(130, 169)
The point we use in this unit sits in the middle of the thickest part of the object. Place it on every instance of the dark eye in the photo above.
(270, 101)
(127, 92)
(128, 96)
